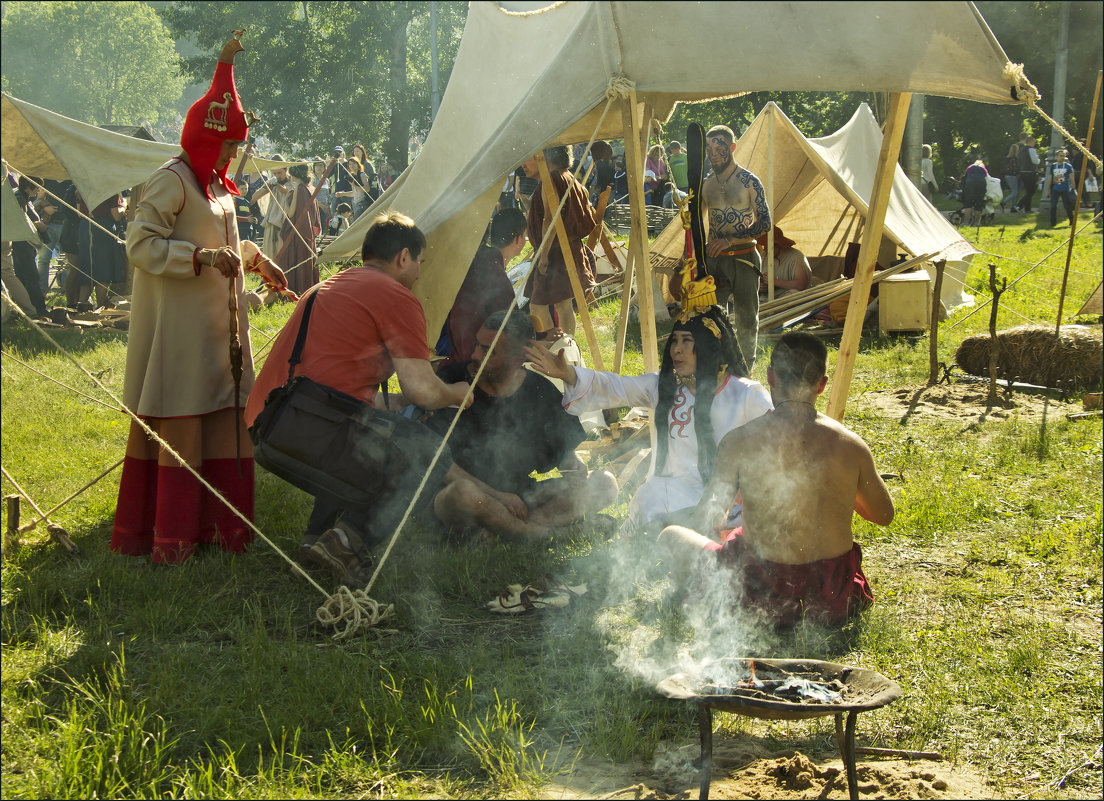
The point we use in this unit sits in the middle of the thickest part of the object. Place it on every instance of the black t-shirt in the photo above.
(603, 175)
(526, 184)
(502, 440)
(341, 180)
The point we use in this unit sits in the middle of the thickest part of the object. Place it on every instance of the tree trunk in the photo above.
(397, 147)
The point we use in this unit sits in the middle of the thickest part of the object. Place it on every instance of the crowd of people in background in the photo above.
(308, 205)
(1030, 182)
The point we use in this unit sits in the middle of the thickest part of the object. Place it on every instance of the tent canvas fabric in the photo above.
(822, 189)
(16, 226)
(45, 144)
(1094, 303)
(501, 106)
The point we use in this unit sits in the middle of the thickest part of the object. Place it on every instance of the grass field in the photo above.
(122, 679)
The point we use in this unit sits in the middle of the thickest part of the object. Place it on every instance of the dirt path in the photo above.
(962, 401)
(743, 768)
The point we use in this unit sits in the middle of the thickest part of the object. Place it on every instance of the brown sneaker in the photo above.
(332, 552)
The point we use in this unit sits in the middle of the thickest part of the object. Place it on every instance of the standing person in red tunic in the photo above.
(549, 284)
(297, 254)
(486, 288)
(183, 244)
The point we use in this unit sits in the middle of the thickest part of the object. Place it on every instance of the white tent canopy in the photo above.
(42, 143)
(822, 189)
(528, 76)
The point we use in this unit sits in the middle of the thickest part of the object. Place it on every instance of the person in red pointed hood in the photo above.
(214, 121)
(186, 377)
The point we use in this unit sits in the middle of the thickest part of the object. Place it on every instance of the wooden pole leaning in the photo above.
(868, 252)
(623, 317)
(770, 201)
(633, 119)
(552, 202)
(1077, 206)
(599, 233)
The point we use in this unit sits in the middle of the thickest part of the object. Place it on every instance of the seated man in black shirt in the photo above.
(515, 425)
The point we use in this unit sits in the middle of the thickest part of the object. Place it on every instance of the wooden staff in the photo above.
(325, 175)
(241, 163)
(235, 366)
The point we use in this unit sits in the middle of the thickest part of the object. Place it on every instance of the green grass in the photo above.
(121, 679)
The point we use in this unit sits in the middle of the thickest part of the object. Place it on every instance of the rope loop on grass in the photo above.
(1023, 89)
(353, 612)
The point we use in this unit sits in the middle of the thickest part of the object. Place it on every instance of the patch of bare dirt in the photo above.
(743, 768)
(963, 402)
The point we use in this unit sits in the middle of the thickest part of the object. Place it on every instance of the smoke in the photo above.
(655, 629)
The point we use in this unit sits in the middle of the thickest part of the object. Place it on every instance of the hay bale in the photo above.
(1034, 355)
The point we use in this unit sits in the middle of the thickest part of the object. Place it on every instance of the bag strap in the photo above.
(301, 337)
(301, 340)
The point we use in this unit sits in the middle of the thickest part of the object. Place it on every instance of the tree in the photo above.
(325, 73)
(114, 63)
(1029, 33)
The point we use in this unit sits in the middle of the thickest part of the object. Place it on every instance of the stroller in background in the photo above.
(994, 198)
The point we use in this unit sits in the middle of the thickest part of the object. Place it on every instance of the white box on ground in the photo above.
(904, 302)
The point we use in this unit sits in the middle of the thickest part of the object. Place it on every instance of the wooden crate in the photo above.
(904, 302)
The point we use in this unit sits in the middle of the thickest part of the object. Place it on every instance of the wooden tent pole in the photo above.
(552, 202)
(868, 252)
(628, 109)
(599, 232)
(770, 202)
(1077, 206)
(634, 120)
(623, 318)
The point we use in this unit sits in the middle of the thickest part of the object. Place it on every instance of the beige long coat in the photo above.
(178, 355)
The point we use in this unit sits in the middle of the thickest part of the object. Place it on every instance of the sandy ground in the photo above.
(743, 768)
(963, 401)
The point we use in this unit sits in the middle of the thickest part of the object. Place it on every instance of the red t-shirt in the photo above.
(361, 320)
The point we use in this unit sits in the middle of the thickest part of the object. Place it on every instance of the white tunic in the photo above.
(680, 485)
(178, 349)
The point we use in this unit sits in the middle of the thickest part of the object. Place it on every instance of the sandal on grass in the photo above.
(516, 600)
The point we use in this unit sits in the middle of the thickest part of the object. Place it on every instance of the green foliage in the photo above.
(321, 73)
(1028, 32)
(112, 63)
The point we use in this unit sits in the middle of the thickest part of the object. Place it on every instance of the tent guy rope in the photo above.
(361, 615)
(534, 259)
(1025, 90)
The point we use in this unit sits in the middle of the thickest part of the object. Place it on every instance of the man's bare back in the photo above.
(801, 475)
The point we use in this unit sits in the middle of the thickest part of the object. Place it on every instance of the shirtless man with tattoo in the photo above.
(736, 209)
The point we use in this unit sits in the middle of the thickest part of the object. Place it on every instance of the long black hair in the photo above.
(712, 353)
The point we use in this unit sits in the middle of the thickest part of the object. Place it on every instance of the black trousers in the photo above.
(24, 256)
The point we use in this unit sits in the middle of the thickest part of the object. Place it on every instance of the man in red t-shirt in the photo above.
(365, 325)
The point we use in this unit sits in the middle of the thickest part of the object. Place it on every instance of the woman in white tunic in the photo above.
(698, 397)
(183, 244)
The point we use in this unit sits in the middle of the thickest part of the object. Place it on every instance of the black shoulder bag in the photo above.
(329, 443)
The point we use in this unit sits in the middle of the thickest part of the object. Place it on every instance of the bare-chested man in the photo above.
(801, 475)
(737, 209)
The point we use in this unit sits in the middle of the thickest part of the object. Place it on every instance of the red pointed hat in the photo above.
(216, 117)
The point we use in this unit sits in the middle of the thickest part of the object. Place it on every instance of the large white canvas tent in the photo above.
(530, 75)
(42, 143)
(820, 190)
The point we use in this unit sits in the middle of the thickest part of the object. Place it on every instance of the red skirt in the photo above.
(828, 591)
(163, 510)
